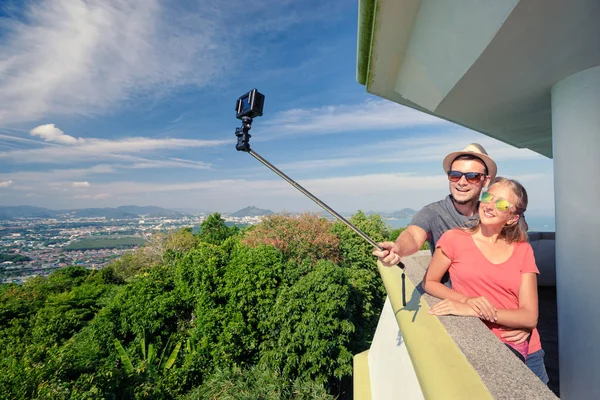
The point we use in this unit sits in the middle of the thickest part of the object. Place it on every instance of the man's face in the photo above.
(462, 191)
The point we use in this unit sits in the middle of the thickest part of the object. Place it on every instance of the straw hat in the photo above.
(473, 149)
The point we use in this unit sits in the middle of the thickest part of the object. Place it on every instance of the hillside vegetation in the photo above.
(274, 311)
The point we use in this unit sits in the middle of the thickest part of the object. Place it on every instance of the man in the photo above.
(468, 171)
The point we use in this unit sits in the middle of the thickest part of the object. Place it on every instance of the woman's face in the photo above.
(497, 207)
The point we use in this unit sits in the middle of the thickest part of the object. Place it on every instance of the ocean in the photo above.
(536, 223)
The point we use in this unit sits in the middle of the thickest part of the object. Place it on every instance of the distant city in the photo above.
(35, 241)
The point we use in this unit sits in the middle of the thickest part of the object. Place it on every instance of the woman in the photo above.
(493, 271)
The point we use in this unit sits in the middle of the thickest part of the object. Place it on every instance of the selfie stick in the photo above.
(313, 198)
(243, 144)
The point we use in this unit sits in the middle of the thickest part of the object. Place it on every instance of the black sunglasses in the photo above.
(471, 177)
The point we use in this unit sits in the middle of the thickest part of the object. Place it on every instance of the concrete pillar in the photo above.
(576, 149)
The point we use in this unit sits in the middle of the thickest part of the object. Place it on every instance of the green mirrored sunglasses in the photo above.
(500, 203)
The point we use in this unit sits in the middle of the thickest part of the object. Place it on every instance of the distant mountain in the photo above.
(404, 213)
(151, 210)
(192, 211)
(25, 212)
(251, 212)
(122, 212)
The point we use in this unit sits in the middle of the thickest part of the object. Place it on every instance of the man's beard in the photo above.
(463, 202)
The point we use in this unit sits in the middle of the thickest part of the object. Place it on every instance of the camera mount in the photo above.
(247, 107)
(243, 135)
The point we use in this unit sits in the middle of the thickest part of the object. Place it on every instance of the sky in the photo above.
(107, 103)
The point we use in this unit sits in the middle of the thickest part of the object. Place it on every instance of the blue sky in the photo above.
(107, 103)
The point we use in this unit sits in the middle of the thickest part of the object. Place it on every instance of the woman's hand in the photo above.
(451, 307)
(483, 307)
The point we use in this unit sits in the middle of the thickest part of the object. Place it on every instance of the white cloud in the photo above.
(73, 150)
(84, 57)
(141, 144)
(383, 191)
(431, 149)
(99, 196)
(43, 177)
(382, 115)
(6, 184)
(377, 191)
(171, 163)
(51, 133)
(65, 177)
(370, 115)
(349, 192)
(88, 57)
(79, 185)
(18, 139)
(178, 119)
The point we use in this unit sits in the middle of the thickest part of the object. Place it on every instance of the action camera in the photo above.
(250, 105)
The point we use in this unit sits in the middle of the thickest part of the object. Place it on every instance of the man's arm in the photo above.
(409, 242)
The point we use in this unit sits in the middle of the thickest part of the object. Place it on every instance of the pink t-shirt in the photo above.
(474, 275)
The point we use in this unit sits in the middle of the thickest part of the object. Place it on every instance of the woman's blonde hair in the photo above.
(516, 232)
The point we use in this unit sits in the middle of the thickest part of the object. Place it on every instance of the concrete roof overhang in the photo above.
(489, 66)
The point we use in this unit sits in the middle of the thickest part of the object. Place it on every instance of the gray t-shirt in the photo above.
(439, 217)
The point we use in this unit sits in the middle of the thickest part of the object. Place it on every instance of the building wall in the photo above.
(576, 148)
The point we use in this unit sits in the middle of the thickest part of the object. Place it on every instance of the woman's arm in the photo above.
(526, 316)
(432, 284)
(432, 281)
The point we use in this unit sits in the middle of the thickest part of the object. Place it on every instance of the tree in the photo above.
(257, 382)
(277, 320)
(357, 252)
(304, 237)
(214, 230)
(311, 326)
(160, 249)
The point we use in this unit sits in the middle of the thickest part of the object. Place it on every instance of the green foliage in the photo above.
(299, 238)
(131, 264)
(214, 230)
(369, 292)
(127, 364)
(357, 252)
(150, 303)
(16, 258)
(38, 320)
(148, 364)
(319, 300)
(160, 249)
(312, 326)
(257, 382)
(65, 313)
(219, 314)
(233, 301)
(395, 233)
(105, 242)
